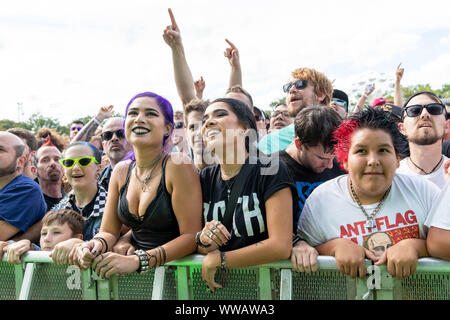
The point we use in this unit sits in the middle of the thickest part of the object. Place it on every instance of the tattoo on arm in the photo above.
(259, 243)
(87, 132)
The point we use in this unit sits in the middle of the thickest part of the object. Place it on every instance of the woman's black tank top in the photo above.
(158, 225)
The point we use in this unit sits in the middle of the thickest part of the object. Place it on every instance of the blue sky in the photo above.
(66, 59)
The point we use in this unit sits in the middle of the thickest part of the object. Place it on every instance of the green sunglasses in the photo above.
(82, 162)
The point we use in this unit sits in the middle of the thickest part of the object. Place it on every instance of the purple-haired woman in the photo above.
(156, 194)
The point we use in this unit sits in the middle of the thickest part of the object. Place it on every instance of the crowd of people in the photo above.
(225, 179)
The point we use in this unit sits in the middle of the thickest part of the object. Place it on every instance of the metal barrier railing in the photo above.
(38, 279)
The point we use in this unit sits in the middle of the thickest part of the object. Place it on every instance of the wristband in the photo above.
(143, 261)
(199, 243)
(103, 242)
(222, 260)
(96, 121)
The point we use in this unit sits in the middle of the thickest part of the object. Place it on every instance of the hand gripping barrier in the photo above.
(37, 278)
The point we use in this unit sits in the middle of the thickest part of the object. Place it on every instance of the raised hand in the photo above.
(232, 54)
(104, 113)
(199, 87)
(399, 73)
(171, 34)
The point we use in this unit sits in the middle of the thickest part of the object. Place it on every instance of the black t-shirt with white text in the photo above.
(249, 220)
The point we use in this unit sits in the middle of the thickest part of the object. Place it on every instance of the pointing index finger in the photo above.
(230, 43)
(399, 65)
(172, 19)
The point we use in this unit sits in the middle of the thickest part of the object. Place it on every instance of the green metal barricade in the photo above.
(10, 279)
(38, 279)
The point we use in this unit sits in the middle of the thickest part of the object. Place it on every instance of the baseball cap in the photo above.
(378, 101)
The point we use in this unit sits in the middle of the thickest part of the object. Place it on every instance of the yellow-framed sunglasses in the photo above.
(82, 162)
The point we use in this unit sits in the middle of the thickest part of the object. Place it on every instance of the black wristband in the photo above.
(104, 243)
(199, 243)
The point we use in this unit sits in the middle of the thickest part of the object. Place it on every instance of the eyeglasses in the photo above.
(299, 84)
(76, 128)
(83, 162)
(434, 109)
(275, 114)
(340, 102)
(107, 135)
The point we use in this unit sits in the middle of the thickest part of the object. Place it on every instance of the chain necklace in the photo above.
(415, 165)
(143, 166)
(149, 176)
(229, 186)
(370, 218)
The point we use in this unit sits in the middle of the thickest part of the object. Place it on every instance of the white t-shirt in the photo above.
(437, 177)
(439, 216)
(331, 213)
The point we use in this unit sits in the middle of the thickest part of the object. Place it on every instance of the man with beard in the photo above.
(49, 172)
(424, 124)
(21, 199)
(306, 87)
(30, 142)
(115, 147)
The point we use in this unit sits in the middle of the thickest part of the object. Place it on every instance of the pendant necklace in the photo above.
(229, 186)
(415, 165)
(149, 176)
(370, 217)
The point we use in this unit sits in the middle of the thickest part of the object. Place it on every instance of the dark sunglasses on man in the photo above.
(76, 128)
(299, 84)
(434, 109)
(107, 135)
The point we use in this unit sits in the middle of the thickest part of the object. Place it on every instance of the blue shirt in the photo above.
(22, 203)
(277, 140)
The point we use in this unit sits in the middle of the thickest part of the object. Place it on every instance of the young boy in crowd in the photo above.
(58, 227)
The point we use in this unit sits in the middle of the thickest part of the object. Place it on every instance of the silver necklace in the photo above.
(370, 217)
(149, 176)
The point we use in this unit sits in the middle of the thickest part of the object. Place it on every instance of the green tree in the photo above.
(274, 103)
(38, 121)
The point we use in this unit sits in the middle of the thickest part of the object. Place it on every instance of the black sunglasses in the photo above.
(107, 135)
(299, 84)
(76, 128)
(179, 124)
(434, 109)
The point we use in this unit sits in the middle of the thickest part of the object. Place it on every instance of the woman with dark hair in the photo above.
(371, 212)
(255, 199)
(81, 162)
(156, 194)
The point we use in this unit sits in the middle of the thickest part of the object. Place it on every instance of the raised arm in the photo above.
(183, 76)
(398, 101)
(232, 54)
(88, 131)
(367, 91)
(199, 88)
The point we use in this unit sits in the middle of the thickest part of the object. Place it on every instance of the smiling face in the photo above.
(425, 129)
(145, 124)
(222, 129)
(371, 164)
(81, 177)
(53, 234)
